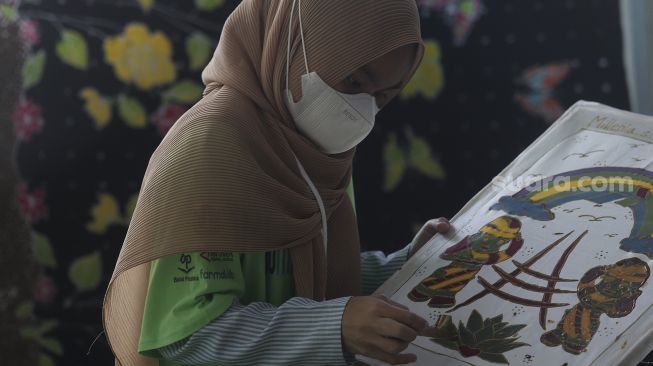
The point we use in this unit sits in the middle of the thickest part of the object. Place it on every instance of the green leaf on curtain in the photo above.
(395, 163)
(105, 213)
(29, 332)
(8, 12)
(146, 5)
(42, 250)
(421, 157)
(72, 49)
(33, 69)
(24, 310)
(52, 345)
(186, 91)
(198, 49)
(132, 112)
(208, 5)
(45, 360)
(48, 325)
(85, 272)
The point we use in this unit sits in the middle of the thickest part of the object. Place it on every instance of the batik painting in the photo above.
(549, 265)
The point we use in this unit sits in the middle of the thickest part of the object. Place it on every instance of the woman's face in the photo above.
(381, 78)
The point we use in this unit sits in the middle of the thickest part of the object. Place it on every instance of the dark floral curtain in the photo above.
(104, 80)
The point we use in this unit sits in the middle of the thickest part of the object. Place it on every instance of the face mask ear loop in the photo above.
(292, 11)
(301, 32)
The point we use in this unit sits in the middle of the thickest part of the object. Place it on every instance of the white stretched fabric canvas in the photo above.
(549, 265)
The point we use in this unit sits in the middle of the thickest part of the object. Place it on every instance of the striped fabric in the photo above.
(299, 332)
(225, 178)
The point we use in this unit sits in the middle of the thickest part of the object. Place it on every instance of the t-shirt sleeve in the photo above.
(299, 332)
(185, 293)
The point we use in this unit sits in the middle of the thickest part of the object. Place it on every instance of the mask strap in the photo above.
(301, 32)
(325, 238)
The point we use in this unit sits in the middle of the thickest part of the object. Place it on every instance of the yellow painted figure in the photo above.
(611, 290)
(467, 258)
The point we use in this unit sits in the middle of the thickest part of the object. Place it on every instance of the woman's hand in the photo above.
(377, 327)
(427, 231)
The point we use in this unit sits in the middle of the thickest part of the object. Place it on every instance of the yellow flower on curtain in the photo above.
(141, 57)
(105, 213)
(429, 76)
(97, 106)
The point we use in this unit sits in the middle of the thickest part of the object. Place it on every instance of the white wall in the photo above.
(637, 24)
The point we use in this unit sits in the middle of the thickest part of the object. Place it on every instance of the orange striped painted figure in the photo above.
(611, 290)
(467, 258)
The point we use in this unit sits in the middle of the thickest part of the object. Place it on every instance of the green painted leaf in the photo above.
(465, 336)
(42, 250)
(45, 360)
(132, 112)
(508, 346)
(24, 310)
(475, 321)
(494, 357)
(198, 49)
(52, 345)
(186, 91)
(497, 319)
(490, 345)
(486, 332)
(72, 49)
(208, 5)
(85, 272)
(509, 331)
(9, 12)
(33, 69)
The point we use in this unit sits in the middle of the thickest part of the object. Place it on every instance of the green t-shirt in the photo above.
(188, 291)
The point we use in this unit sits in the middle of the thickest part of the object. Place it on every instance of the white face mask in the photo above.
(335, 121)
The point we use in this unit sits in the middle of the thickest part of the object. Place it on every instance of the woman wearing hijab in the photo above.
(243, 248)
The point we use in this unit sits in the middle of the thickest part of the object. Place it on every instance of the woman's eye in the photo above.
(352, 83)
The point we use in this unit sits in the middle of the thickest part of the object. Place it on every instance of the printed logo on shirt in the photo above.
(185, 260)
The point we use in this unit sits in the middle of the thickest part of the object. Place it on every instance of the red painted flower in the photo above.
(27, 119)
(29, 32)
(32, 205)
(166, 116)
(46, 290)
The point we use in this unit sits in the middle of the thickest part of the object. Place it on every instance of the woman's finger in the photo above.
(390, 301)
(403, 316)
(389, 328)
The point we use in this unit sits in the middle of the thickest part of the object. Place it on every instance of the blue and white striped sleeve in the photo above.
(376, 268)
(299, 332)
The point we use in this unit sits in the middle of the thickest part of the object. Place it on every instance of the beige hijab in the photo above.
(225, 177)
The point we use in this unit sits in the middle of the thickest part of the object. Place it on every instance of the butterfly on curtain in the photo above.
(460, 15)
(536, 87)
(415, 154)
